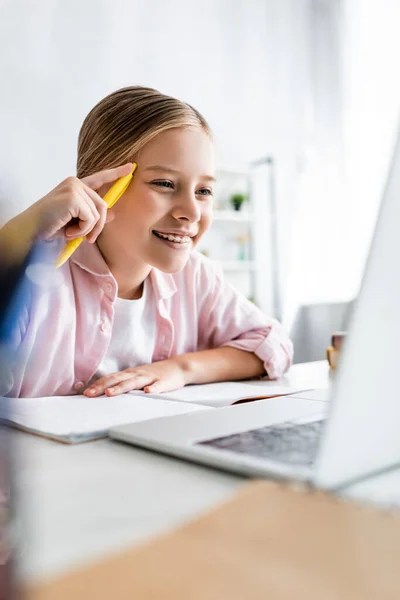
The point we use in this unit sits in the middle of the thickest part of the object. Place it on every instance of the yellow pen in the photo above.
(114, 193)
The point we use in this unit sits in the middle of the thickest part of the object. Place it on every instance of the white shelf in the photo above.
(238, 265)
(233, 215)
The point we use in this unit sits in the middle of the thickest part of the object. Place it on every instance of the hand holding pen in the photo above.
(110, 198)
(73, 209)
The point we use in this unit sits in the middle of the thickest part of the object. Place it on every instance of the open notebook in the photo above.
(73, 419)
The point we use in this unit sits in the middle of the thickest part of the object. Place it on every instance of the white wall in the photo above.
(244, 63)
(62, 57)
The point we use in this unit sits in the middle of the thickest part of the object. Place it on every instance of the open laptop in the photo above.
(329, 444)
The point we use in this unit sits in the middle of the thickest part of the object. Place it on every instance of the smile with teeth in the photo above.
(180, 239)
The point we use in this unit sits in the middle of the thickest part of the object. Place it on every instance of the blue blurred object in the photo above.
(12, 294)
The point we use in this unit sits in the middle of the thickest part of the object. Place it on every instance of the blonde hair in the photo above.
(123, 122)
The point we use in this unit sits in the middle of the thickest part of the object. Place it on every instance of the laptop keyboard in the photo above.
(287, 442)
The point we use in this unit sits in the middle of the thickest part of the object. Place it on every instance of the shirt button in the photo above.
(108, 287)
(79, 385)
(104, 326)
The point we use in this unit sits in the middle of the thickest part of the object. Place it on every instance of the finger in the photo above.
(68, 226)
(96, 180)
(101, 207)
(98, 387)
(92, 205)
(88, 216)
(155, 388)
(134, 383)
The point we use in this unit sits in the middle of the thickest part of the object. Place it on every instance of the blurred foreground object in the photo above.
(13, 267)
(270, 541)
(333, 352)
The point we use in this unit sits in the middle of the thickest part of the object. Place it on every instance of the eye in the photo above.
(163, 183)
(204, 192)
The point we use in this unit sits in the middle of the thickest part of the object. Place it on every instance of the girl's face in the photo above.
(168, 205)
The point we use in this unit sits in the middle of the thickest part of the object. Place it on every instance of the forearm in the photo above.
(16, 237)
(219, 364)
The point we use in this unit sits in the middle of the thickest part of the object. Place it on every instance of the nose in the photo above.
(187, 208)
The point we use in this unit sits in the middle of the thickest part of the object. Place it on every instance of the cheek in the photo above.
(206, 218)
(132, 213)
(144, 205)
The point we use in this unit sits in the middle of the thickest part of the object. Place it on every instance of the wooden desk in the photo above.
(78, 503)
(271, 540)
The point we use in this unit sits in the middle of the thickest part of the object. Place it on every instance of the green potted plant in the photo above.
(237, 200)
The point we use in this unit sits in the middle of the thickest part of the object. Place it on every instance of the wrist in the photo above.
(185, 364)
(41, 215)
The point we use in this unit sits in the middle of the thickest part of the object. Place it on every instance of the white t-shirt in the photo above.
(133, 334)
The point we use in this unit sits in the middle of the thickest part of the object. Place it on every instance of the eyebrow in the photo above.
(171, 170)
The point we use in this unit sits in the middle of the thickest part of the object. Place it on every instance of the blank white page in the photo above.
(78, 418)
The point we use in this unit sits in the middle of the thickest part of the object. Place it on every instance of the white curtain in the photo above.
(316, 219)
(371, 72)
(356, 111)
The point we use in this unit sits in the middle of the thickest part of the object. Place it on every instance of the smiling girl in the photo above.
(135, 307)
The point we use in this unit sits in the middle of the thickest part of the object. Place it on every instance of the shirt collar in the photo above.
(89, 258)
(163, 283)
